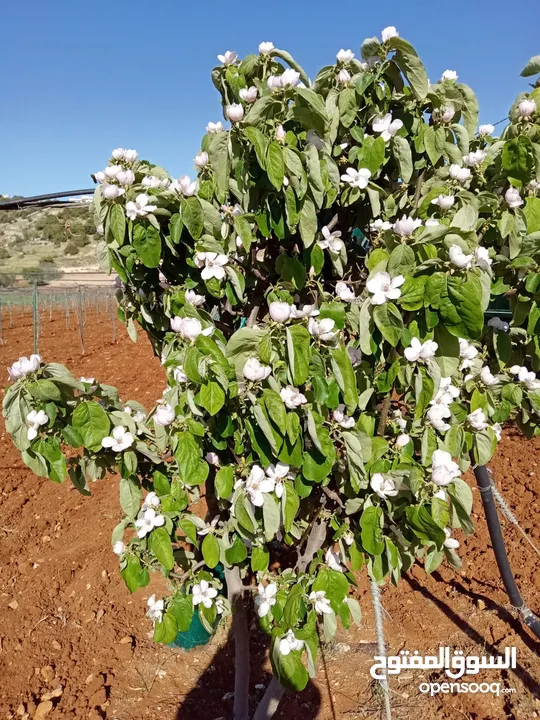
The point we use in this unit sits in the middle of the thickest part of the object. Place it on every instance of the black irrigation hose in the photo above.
(497, 541)
(41, 200)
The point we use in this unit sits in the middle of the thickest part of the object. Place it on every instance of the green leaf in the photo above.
(460, 304)
(182, 609)
(291, 270)
(401, 260)
(345, 377)
(117, 222)
(465, 218)
(469, 110)
(288, 669)
(50, 449)
(212, 397)
(193, 469)
(192, 216)
(372, 537)
(260, 557)
(224, 482)
(334, 584)
(292, 504)
(92, 423)
(371, 155)
(44, 389)
(389, 321)
(130, 496)
(517, 158)
(532, 67)
(414, 71)
(237, 553)
(434, 141)
(210, 550)
(175, 228)
(298, 353)
(134, 575)
(166, 631)
(532, 214)
(160, 544)
(423, 525)
(271, 517)
(218, 154)
(403, 157)
(347, 106)
(147, 244)
(260, 142)
(485, 444)
(275, 165)
(308, 222)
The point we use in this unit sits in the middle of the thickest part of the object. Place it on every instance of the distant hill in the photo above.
(41, 243)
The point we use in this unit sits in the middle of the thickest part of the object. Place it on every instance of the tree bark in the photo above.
(235, 594)
(270, 701)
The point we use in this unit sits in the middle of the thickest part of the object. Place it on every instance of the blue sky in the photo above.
(79, 79)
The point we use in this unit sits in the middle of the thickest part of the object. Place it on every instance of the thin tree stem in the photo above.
(270, 701)
(235, 592)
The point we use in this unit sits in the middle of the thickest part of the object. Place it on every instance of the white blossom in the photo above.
(380, 224)
(497, 429)
(254, 371)
(342, 419)
(130, 155)
(444, 114)
(477, 419)
(290, 78)
(526, 108)
(249, 94)
(34, 420)
(258, 484)
(214, 265)
(437, 416)
(487, 377)
(274, 82)
(111, 192)
(467, 352)
(444, 469)
(280, 133)
(484, 130)
(513, 198)
(289, 642)
(458, 258)
(150, 501)
(420, 351)
(383, 287)
(482, 259)
(266, 47)
(356, 178)
(155, 609)
(204, 593)
(450, 542)
(304, 311)
(149, 520)
(459, 173)
(474, 158)
(265, 599)
(126, 177)
(320, 602)
(446, 393)
(229, 58)
(111, 171)
(406, 225)
(388, 33)
(118, 154)
(432, 222)
(280, 312)
(445, 202)
(344, 56)
(344, 292)
(215, 127)
(323, 329)
(525, 376)
(189, 328)
(331, 558)
(184, 186)
(120, 439)
(87, 381)
(192, 298)
(23, 366)
(383, 486)
(140, 208)
(386, 127)
(332, 240)
(403, 440)
(234, 112)
(213, 459)
(344, 76)
(201, 159)
(164, 415)
(449, 76)
(292, 397)
(179, 375)
(277, 473)
(151, 181)
(119, 548)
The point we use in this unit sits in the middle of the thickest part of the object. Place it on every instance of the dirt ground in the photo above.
(72, 637)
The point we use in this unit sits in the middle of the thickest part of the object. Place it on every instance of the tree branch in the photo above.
(235, 594)
(315, 541)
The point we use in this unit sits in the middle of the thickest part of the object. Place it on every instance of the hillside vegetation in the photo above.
(40, 243)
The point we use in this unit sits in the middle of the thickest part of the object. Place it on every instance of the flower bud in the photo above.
(130, 156)
(513, 198)
(484, 130)
(388, 33)
(344, 56)
(265, 48)
(126, 177)
(279, 311)
(201, 160)
(280, 133)
(118, 154)
(235, 112)
(449, 76)
(111, 192)
(249, 94)
(343, 76)
(526, 108)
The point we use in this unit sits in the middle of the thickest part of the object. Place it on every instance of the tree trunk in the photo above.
(235, 594)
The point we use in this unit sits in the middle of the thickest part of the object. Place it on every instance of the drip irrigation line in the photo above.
(494, 527)
(381, 644)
